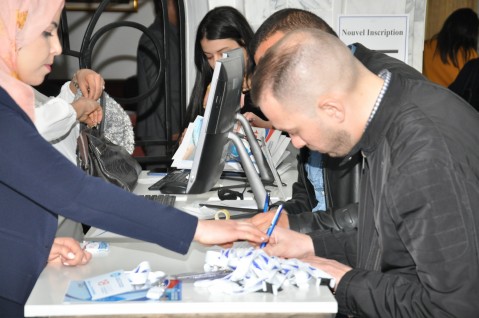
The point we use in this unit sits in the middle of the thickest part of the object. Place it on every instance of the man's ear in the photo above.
(332, 108)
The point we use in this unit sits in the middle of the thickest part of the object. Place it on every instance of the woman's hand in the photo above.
(90, 83)
(205, 98)
(222, 232)
(256, 121)
(88, 111)
(67, 251)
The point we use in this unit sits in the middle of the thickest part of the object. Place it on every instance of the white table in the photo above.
(47, 296)
(190, 203)
(46, 299)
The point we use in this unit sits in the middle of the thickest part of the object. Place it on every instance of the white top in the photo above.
(56, 121)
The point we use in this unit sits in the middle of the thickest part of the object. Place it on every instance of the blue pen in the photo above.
(266, 203)
(273, 224)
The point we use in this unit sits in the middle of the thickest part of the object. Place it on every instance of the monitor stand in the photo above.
(264, 170)
(254, 179)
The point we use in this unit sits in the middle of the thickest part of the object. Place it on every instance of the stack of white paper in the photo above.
(277, 145)
(276, 142)
(183, 157)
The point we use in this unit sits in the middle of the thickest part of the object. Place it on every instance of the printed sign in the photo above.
(386, 34)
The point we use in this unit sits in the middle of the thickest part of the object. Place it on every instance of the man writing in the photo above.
(338, 179)
(417, 241)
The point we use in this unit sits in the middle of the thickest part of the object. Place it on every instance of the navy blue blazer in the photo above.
(37, 183)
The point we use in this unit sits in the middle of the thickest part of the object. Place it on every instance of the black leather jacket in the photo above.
(341, 187)
(341, 179)
(418, 228)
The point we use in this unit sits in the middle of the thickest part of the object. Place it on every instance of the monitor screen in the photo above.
(219, 120)
(217, 130)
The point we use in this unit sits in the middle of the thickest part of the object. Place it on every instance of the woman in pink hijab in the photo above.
(22, 22)
(37, 183)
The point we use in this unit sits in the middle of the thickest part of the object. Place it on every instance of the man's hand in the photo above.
(67, 251)
(289, 244)
(333, 268)
(223, 232)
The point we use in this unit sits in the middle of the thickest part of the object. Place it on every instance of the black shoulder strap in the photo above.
(101, 126)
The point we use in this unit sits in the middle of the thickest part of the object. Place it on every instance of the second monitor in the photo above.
(217, 130)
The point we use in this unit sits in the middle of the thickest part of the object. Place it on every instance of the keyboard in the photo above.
(174, 179)
(165, 199)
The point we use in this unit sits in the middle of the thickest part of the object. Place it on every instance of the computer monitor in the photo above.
(264, 170)
(217, 131)
(222, 104)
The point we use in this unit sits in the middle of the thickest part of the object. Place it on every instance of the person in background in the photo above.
(58, 121)
(37, 183)
(417, 231)
(466, 83)
(58, 118)
(329, 186)
(456, 43)
(221, 30)
(151, 120)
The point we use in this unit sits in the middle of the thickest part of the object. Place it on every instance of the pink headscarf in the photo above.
(21, 22)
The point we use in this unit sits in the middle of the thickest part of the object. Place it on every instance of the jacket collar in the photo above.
(381, 122)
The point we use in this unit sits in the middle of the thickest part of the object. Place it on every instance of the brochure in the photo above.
(120, 285)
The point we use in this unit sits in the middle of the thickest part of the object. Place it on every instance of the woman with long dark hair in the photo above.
(221, 30)
(446, 52)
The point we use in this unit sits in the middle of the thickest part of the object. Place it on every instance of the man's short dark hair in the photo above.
(286, 20)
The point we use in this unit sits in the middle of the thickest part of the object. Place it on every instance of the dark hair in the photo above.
(273, 71)
(286, 20)
(459, 32)
(157, 7)
(220, 23)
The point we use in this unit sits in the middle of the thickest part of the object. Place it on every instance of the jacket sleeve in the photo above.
(428, 265)
(345, 218)
(150, 110)
(334, 233)
(55, 118)
(32, 167)
(337, 245)
(148, 68)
